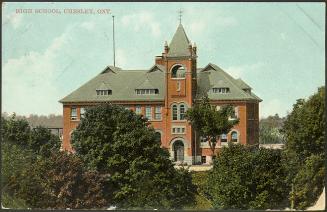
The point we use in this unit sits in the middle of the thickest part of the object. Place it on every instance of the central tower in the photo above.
(179, 60)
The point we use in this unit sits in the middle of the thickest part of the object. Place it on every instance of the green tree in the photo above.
(16, 131)
(14, 159)
(43, 142)
(60, 182)
(120, 143)
(247, 178)
(304, 130)
(209, 122)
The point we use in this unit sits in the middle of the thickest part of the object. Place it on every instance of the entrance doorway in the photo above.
(178, 148)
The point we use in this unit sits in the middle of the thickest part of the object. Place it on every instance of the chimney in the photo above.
(194, 48)
(190, 47)
(166, 47)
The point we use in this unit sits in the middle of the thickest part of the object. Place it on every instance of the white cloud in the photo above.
(88, 25)
(28, 81)
(243, 70)
(143, 20)
(14, 19)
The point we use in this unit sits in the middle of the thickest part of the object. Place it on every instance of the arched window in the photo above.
(178, 71)
(178, 111)
(175, 112)
(182, 112)
(234, 136)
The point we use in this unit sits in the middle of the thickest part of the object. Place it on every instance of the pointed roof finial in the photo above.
(180, 16)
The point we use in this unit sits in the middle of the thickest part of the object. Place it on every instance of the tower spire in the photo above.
(180, 16)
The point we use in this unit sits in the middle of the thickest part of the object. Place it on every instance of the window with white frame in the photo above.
(104, 92)
(223, 138)
(234, 136)
(178, 111)
(82, 112)
(138, 109)
(178, 71)
(148, 112)
(73, 113)
(178, 130)
(182, 112)
(174, 112)
(146, 91)
(203, 139)
(220, 90)
(157, 113)
(234, 115)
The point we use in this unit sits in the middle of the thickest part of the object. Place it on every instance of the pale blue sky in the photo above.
(277, 48)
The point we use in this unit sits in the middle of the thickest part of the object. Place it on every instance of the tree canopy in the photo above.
(304, 153)
(247, 178)
(209, 122)
(116, 141)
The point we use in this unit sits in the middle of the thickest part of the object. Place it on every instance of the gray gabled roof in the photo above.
(242, 84)
(213, 76)
(179, 46)
(123, 84)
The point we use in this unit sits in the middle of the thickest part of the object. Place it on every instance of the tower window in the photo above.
(182, 112)
(178, 111)
(178, 71)
(174, 112)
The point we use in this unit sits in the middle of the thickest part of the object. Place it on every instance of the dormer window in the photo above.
(178, 71)
(104, 92)
(247, 90)
(220, 90)
(146, 91)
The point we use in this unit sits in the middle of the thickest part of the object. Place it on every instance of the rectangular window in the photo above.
(82, 112)
(138, 110)
(203, 139)
(157, 113)
(220, 90)
(148, 112)
(174, 112)
(146, 91)
(178, 130)
(73, 113)
(203, 159)
(223, 138)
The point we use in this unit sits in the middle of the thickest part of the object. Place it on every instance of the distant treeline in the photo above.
(270, 130)
(50, 121)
